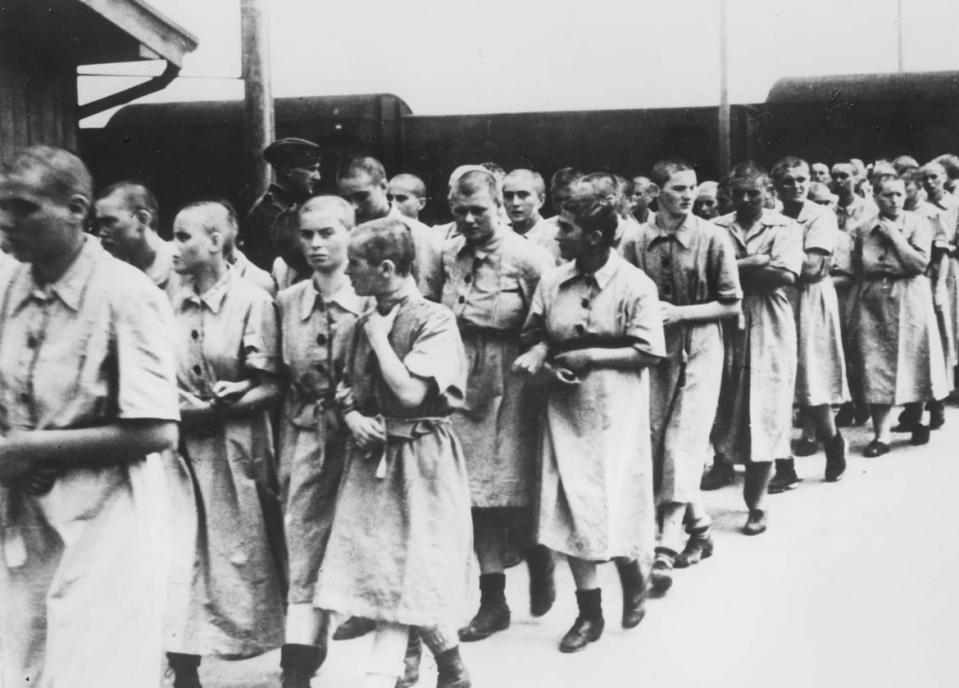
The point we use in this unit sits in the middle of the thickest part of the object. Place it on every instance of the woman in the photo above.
(593, 327)
(895, 329)
(226, 348)
(399, 547)
(755, 412)
(693, 265)
(316, 319)
(821, 373)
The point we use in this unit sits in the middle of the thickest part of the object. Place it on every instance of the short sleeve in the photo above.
(786, 250)
(437, 354)
(644, 321)
(144, 331)
(261, 336)
(535, 265)
(821, 234)
(723, 270)
(921, 236)
(842, 256)
(534, 329)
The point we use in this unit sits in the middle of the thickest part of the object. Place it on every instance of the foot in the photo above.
(354, 627)
(583, 632)
(937, 416)
(450, 670)
(542, 583)
(698, 547)
(661, 576)
(756, 523)
(920, 435)
(876, 448)
(488, 620)
(785, 478)
(634, 592)
(845, 415)
(806, 446)
(411, 661)
(719, 475)
(835, 458)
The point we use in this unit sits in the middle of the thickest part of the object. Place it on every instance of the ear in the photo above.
(387, 268)
(653, 190)
(143, 217)
(421, 203)
(217, 241)
(79, 207)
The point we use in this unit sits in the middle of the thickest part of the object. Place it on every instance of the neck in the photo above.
(746, 221)
(328, 283)
(935, 197)
(524, 226)
(49, 271)
(593, 261)
(792, 208)
(391, 295)
(209, 275)
(641, 213)
(671, 222)
(145, 253)
(845, 199)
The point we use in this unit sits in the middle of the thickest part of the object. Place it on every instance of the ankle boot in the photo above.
(185, 669)
(299, 664)
(411, 660)
(542, 584)
(589, 625)
(661, 577)
(450, 670)
(634, 591)
(493, 614)
(835, 457)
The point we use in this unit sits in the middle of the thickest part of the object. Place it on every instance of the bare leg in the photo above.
(758, 474)
(489, 534)
(673, 536)
(584, 573)
(881, 421)
(824, 421)
(386, 660)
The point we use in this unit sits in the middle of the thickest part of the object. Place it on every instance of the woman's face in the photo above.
(890, 197)
(573, 241)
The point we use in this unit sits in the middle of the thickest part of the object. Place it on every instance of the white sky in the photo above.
(462, 56)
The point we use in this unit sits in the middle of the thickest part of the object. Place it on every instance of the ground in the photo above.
(854, 584)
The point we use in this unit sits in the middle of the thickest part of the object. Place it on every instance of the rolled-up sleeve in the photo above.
(261, 339)
(437, 354)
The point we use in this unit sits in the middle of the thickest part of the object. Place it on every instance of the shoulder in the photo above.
(290, 296)
(554, 277)
(771, 218)
(636, 282)
(419, 315)
(527, 254)
(725, 221)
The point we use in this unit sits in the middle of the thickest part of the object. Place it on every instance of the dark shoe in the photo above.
(835, 458)
(920, 435)
(450, 670)
(299, 664)
(756, 523)
(185, 669)
(698, 547)
(411, 661)
(861, 415)
(785, 478)
(806, 446)
(720, 474)
(875, 448)
(634, 592)
(542, 584)
(661, 576)
(845, 415)
(354, 627)
(581, 634)
(937, 415)
(909, 418)
(488, 620)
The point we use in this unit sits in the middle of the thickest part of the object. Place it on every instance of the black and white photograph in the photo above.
(478, 343)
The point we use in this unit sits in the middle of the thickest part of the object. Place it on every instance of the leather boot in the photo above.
(185, 669)
(299, 664)
(542, 584)
(634, 591)
(450, 670)
(835, 457)
(411, 661)
(493, 614)
(661, 577)
(589, 625)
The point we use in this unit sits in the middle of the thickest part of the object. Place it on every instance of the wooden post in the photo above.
(899, 31)
(258, 96)
(725, 154)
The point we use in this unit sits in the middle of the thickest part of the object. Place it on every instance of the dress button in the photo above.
(580, 328)
(197, 370)
(321, 339)
(195, 334)
(461, 299)
(32, 342)
(667, 261)
(468, 279)
(320, 368)
(584, 303)
(24, 398)
(320, 306)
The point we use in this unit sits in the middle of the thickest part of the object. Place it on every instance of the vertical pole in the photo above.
(724, 122)
(257, 95)
(899, 31)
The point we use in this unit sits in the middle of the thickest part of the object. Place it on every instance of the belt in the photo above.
(591, 343)
(406, 429)
(469, 329)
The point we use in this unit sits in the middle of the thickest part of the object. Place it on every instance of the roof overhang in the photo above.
(159, 37)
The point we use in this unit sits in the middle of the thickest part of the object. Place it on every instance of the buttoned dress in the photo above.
(401, 543)
(759, 377)
(693, 264)
(84, 564)
(943, 217)
(230, 333)
(850, 220)
(543, 234)
(489, 288)
(312, 439)
(596, 473)
(821, 369)
(895, 329)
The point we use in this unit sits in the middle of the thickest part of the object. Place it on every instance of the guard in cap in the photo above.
(296, 172)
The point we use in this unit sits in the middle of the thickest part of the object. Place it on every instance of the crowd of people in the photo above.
(315, 422)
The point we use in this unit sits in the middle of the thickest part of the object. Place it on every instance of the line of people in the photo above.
(365, 403)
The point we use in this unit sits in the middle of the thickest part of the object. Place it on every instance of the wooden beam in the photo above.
(257, 94)
(149, 27)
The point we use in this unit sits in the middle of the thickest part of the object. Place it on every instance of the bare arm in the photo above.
(119, 442)
(409, 389)
(700, 312)
(913, 261)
